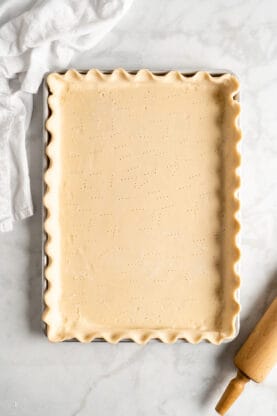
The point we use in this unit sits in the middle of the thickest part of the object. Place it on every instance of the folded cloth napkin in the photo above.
(44, 38)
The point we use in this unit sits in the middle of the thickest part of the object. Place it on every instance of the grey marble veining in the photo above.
(70, 379)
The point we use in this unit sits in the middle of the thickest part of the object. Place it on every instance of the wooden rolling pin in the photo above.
(255, 359)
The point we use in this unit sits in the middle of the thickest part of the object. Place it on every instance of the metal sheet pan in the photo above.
(187, 71)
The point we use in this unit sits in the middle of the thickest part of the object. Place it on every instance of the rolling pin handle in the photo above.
(232, 392)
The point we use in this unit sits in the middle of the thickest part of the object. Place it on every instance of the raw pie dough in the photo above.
(141, 206)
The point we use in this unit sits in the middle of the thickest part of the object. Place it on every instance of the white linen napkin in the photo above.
(44, 38)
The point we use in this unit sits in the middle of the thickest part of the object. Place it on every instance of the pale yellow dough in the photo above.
(141, 207)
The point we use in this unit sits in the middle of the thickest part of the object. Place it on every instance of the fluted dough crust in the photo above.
(141, 200)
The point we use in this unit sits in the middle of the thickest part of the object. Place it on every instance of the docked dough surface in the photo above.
(141, 207)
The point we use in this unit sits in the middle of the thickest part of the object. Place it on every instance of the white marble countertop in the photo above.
(70, 379)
